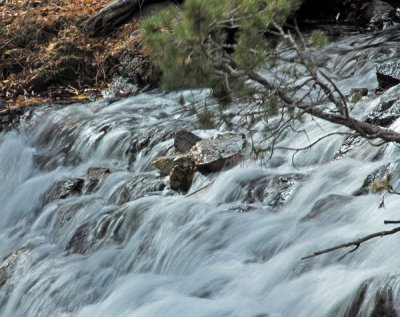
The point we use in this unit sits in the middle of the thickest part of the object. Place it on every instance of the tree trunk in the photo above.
(114, 15)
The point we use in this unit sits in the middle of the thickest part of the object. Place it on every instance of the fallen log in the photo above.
(115, 14)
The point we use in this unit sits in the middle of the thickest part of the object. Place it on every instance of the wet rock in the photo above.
(378, 174)
(221, 151)
(96, 174)
(349, 145)
(164, 164)
(138, 186)
(79, 242)
(180, 169)
(150, 137)
(326, 205)
(9, 263)
(356, 94)
(65, 188)
(271, 190)
(387, 109)
(274, 191)
(89, 236)
(388, 74)
(380, 14)
(181, 176)
(10, 118)
(378, 302)
(49, 162)
(66, 215)
(184, 141)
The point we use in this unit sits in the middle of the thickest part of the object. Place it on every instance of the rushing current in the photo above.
(129, 246)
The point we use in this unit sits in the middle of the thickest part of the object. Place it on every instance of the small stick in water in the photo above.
(355, 243)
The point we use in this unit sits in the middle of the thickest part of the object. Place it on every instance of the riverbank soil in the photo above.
(46, 55)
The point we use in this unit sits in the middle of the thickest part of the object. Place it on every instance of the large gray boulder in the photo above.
(222, 151)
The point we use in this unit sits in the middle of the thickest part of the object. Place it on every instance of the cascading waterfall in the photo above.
(129, 246)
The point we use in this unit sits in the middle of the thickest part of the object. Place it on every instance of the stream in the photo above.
(127, 245)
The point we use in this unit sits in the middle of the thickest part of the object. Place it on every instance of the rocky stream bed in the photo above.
(128, 207)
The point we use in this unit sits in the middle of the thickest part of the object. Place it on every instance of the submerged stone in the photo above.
(387, 109)
(10, 262)
(379, 178)
(272, 191)
(65, 188)
(384, 114)
(375, 297)
(96, 174)
(327, 205)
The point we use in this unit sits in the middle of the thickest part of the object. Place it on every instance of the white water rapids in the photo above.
(145, 251)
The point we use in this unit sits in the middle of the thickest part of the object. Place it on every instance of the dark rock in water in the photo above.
(10, 118)
(274, 191)
(148, 138)
(184, 141)
(379, 302)
(326, 204)
(96, 174)
(46, 162)
(388, 75)
(9, 263)
(138, 186)
(378, 174)
(356, 94)
(271, 190)
(64, 189)
(66, 215)
(377, 13)
(221, 151)
(387, 109)
(180, 169)
(350, 144)
(181, 176)
(79, 242)
(89, 236)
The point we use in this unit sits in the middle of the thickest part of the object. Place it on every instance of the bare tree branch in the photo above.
(389, 222)
(355, 243)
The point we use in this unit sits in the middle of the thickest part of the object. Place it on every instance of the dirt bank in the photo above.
(46, 55)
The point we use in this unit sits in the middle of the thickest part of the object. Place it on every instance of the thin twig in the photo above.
(389, 222)
(355, 243)
(200, 189)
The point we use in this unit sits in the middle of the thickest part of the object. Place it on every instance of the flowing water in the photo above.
(129, 246)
